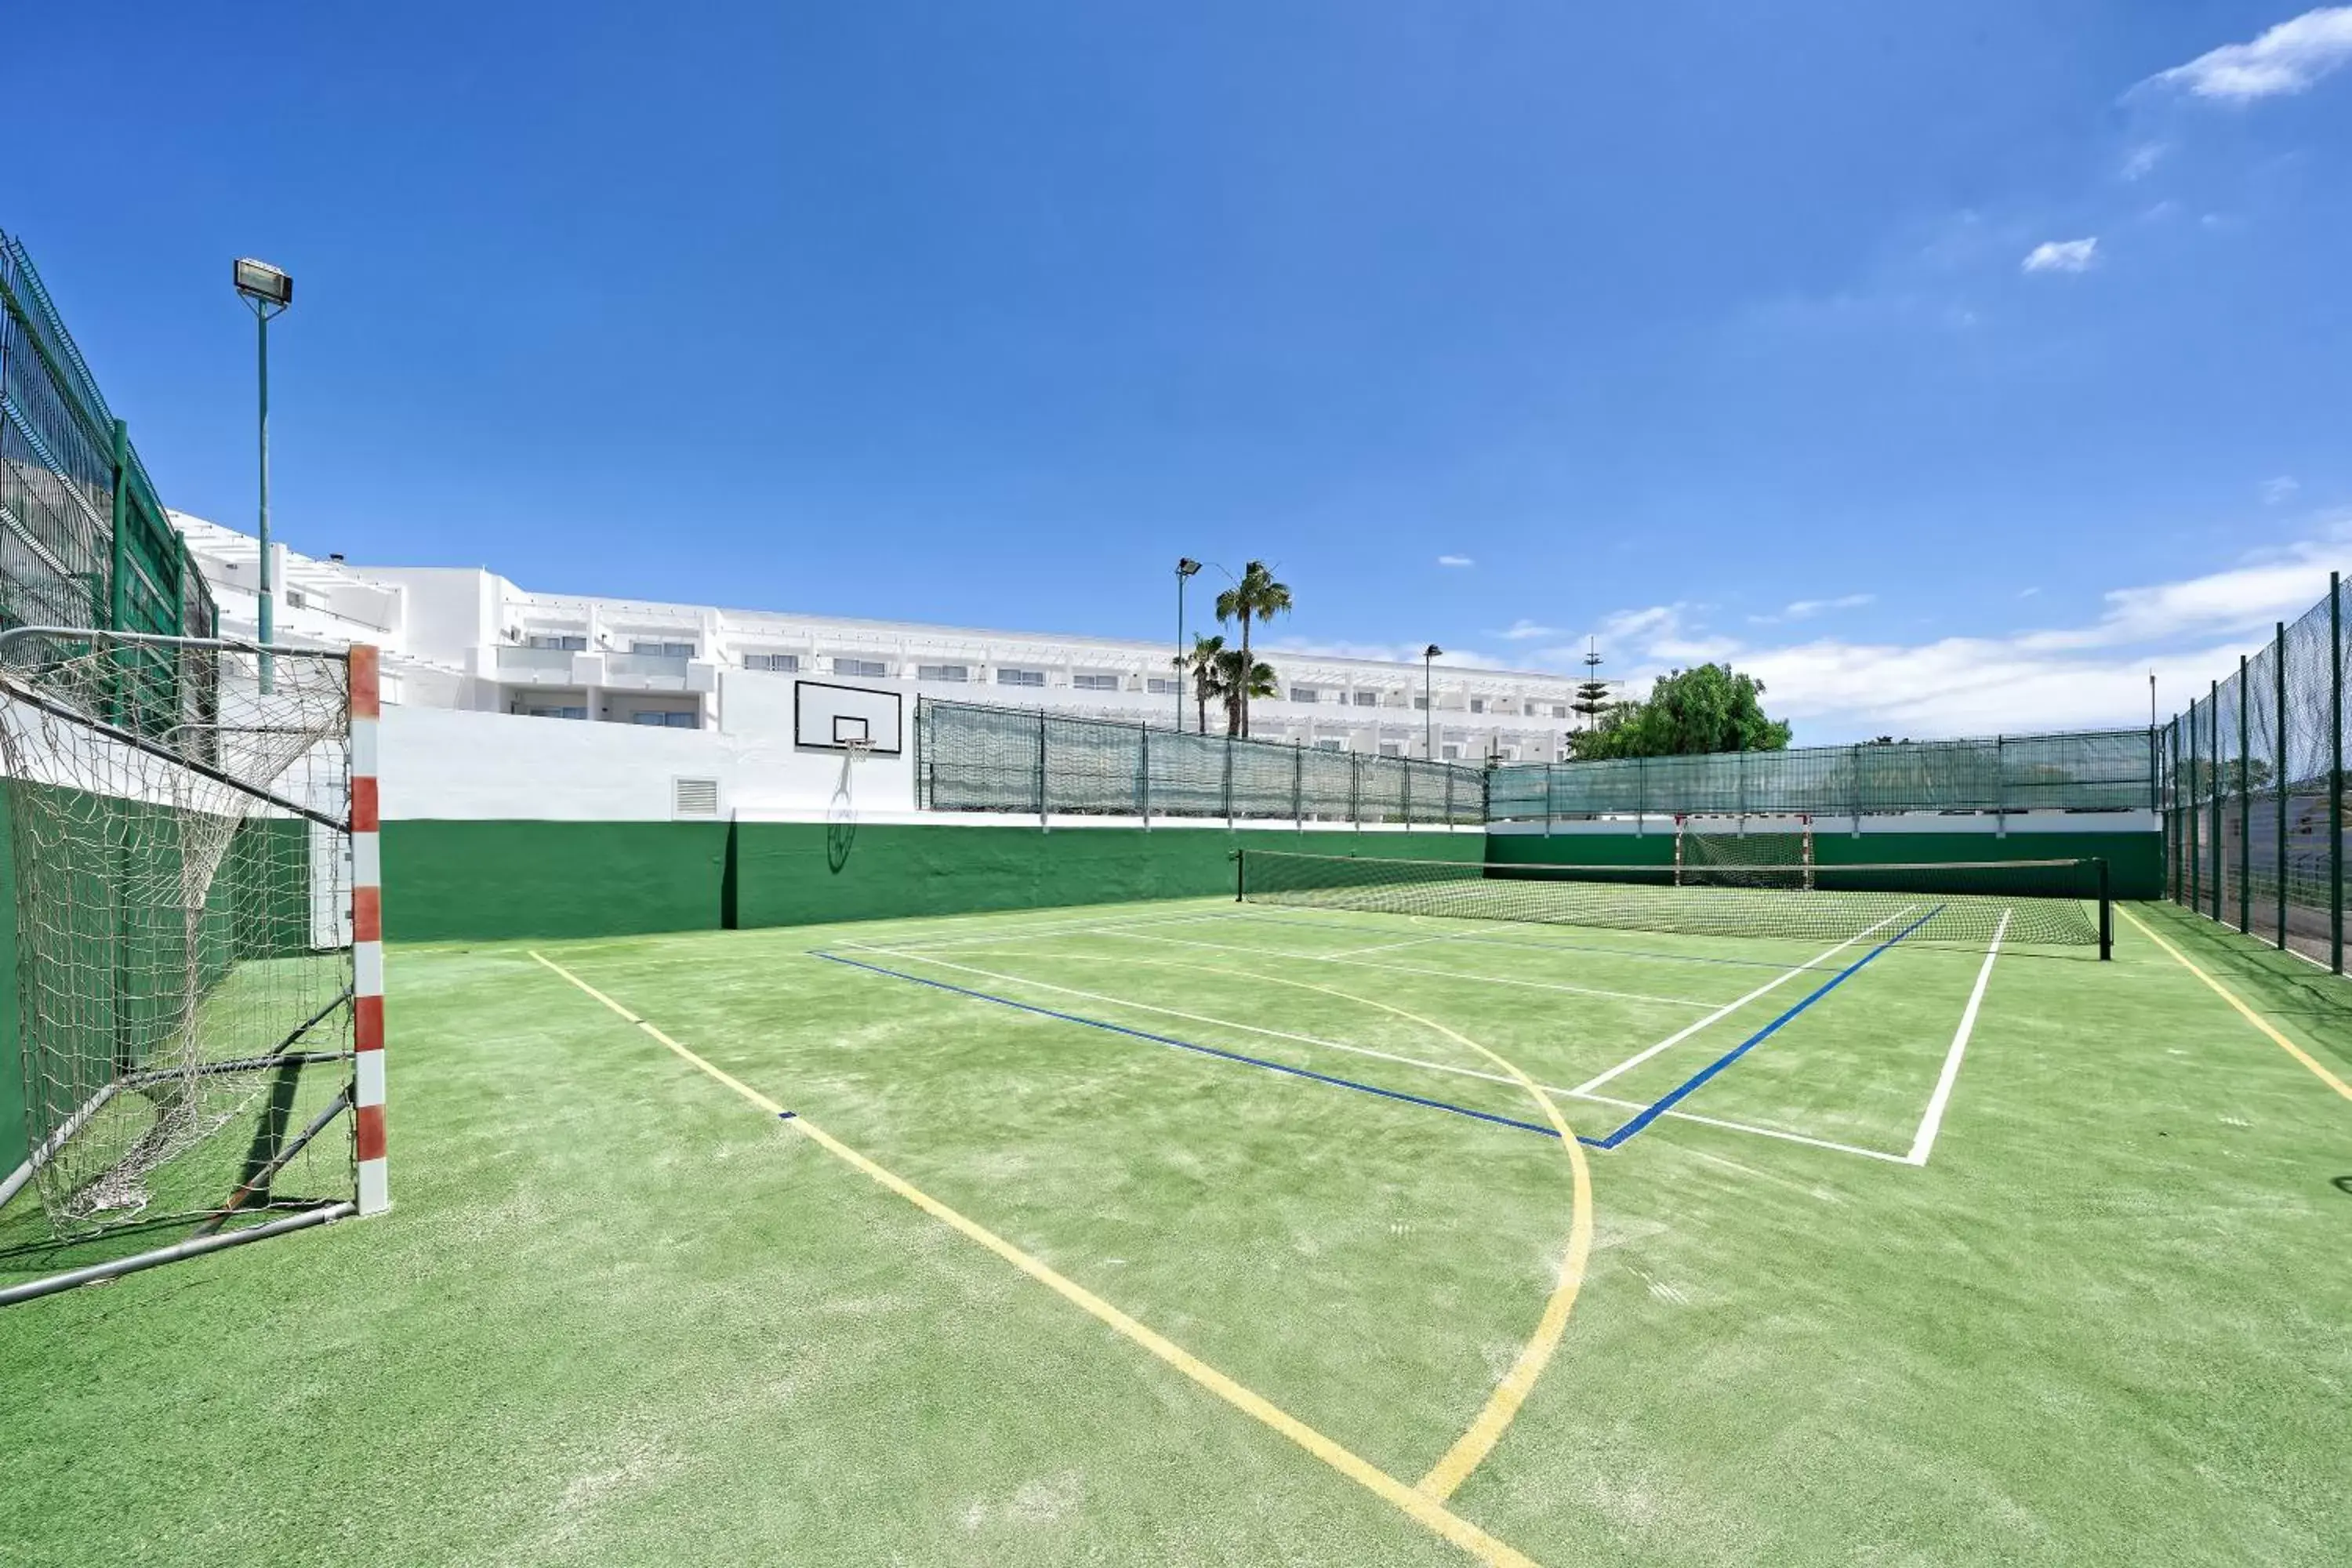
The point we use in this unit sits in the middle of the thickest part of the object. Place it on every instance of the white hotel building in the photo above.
(466, 637)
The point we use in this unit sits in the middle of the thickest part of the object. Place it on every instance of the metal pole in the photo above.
(2245, 806)
(1428, 711)
(1144, 733)
(1042, 825)
(267, 617)
(2335, 774)
(2278, 782)
(118, 591)
(2213, 761)
(1179, 649)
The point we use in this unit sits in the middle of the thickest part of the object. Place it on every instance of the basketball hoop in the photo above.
(858, 750)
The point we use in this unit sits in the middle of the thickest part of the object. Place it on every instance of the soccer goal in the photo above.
(199, 955)
(1721, 852)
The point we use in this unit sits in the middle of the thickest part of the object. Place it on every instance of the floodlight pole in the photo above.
(1428, 703)
(268, 292)
(1185, 568)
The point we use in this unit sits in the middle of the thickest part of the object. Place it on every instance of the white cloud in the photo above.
(1805, 609)
(1526, 631)
(2143, 159)
(1455, 561)
(2288, 58)
(2090, 674)
(2062, 255)
(2280, 490)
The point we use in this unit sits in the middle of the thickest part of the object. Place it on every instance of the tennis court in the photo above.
(1212, 1231)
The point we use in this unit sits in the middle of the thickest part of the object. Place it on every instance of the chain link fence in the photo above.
(2103, 770)
(83, 540)
(2252, 790)
(973, 757)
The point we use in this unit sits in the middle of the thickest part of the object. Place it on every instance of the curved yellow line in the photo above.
(1479, 1439)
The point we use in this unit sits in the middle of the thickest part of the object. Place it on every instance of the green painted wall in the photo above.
(448, 881)
(480, 881)
(786, 873)
(2135, 860)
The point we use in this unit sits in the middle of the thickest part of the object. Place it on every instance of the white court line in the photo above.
(1410, 969)
(1950, 1075)
(1377, 1055)
(1075, 928)
(1384, 947)
(1730, 1007)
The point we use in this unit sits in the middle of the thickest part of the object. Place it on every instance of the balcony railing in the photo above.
(652, 664)
(535, 659)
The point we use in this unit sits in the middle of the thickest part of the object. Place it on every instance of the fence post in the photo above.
(1854, 784)
(2278, 780)
(1229, 783)
(1356, 789)
(1999, 787)
(1449, 800)
(1144, 730)
(1552, 771)
(2214, 759)
(1641, 797)
(2177, 818)
(1299, 785)
(2245, 806)
(2334, 775)
(1042, 825)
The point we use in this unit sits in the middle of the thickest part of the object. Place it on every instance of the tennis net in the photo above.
(2059, 903)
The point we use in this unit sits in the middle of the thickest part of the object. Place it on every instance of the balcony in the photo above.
(535, 659)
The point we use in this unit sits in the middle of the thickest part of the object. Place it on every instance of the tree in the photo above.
(1257, 598)
(1592, 692)
(1239, 679)
(1206, 674)
(1707, 707)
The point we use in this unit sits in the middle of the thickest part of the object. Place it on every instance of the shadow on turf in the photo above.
(2289, 986)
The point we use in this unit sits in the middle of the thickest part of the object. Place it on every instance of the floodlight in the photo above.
(259, 280)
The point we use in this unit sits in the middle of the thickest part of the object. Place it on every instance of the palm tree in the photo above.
(1239, 679)
(1207, 678)
(1257, 598)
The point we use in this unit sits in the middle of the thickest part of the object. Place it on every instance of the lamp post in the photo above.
(1185, 568)
(1428, 705)
(268, 291)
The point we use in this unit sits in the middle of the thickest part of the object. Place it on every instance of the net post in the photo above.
(367, 931)
(1241, 873)
(2245, 808)
(2278, 782)
(2106, 915)
(2335, 773)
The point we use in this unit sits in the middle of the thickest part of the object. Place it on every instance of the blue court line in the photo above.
(1467, 940)
(1190, 1046)
(1691, 1085)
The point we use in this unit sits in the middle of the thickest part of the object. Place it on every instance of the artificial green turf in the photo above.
(619, 1315)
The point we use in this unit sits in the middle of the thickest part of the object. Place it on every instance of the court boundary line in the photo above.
(1418, 1505)
(1374, 1052)
(1405, 969)
(1699, 1080)
(1679, 1036)
(1474, 939)
(1933, 1121)
(2317, 1069)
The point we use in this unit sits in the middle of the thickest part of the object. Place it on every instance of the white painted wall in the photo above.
(452, 763)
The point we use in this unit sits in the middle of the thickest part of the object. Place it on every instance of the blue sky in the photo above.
(1949, 364)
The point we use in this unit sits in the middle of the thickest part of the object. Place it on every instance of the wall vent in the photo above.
(694, 798)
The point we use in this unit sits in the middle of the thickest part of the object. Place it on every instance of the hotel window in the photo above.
(1368, 699)
(1163, 686)
(1478, 705)
(663, 650)
(664, 721)
(1330, 745)
(1020, 678)
(864, 669)
(943, 673)
(1305, 694)
(1095, 682)
(1560, 710)
(775, 663)
(564, 641)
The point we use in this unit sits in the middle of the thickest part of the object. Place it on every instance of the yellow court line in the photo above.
(1422, 1510)
(2318, 1069)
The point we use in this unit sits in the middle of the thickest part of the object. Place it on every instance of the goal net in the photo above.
(1719, 852)
(181, 816)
